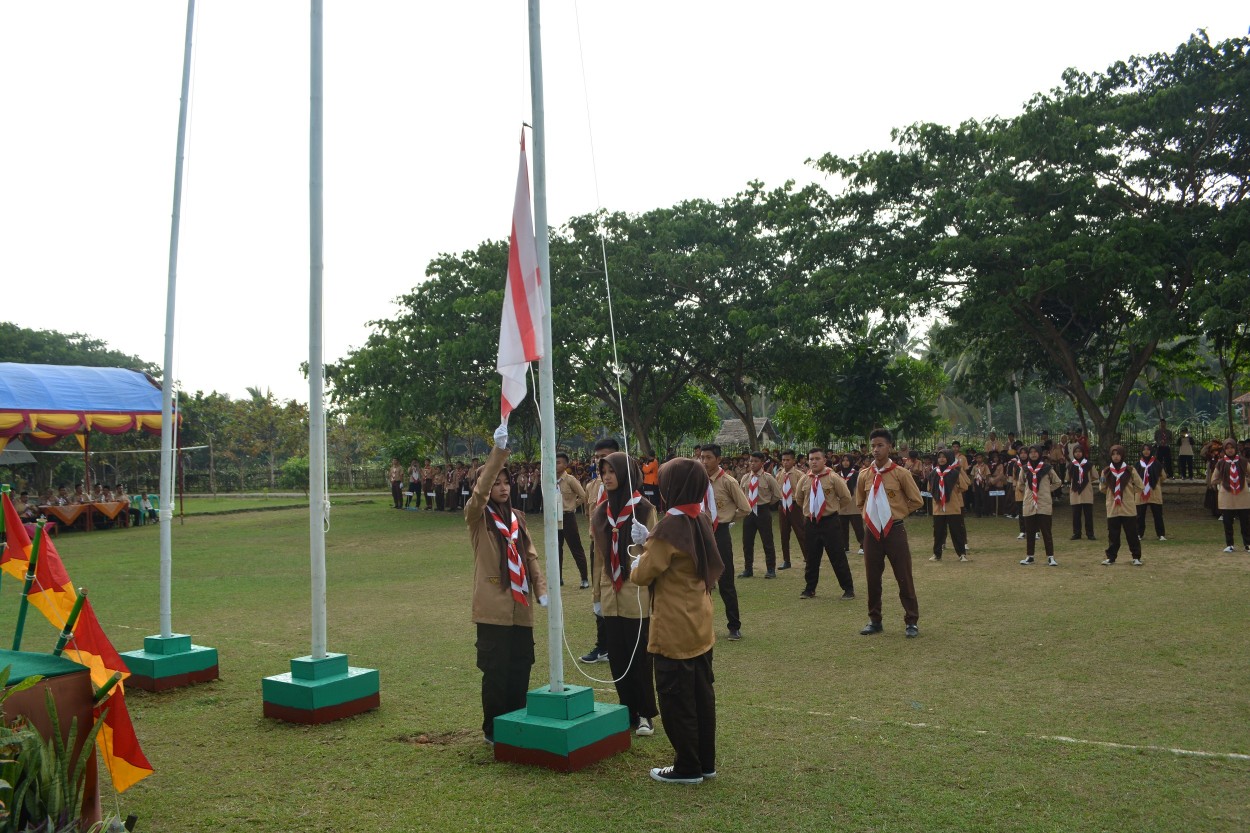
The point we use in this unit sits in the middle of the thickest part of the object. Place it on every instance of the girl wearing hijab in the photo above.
(1081, 474)
(680, 565)
(947, 483)
(849, 514)
(1229, 477)
(625, 608)
(1036, 484)
(1122, 485)
(507, 581)
(1152, 477)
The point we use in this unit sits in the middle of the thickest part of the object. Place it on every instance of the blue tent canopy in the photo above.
(56, 400)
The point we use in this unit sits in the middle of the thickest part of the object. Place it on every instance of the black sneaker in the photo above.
(746, 574)
(807, 594)
(847, 597)
(668, 775)
(595, 655)
(912, 631)
(734, 634)
(770, 574)
(871, 628)
(785, 566)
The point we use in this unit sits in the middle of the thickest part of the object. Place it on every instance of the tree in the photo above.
(1080, 230)
(691, 413)
(269, 429)
(18, 344)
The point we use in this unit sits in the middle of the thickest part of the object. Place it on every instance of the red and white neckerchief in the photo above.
(1080, 466)
(1234, 474)
(516, 566)
(614, 560)
(878, 516)
(753, 493)
(816, 496)
(690, 510)
(603, 496)
(941, 473)
(709, 500)
(1035, 473)
(787, 492)
(1117, 491)
(1145, 476)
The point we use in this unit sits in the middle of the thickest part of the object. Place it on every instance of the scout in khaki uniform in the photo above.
(1152, 477)
(595, 496)
(1081, 474)
(822, 494)
(726, 504)
(1122, 485)
(1035, 484)
(572, 495)
(507, 581)
(790, 511)
(1229, 477)
(947, 483)
(762, 491)
(680, 564)
(625, 607)
(849, 513)
(887, 493)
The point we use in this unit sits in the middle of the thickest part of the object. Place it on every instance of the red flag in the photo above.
(16, 540)
(119, 745)
(520, 329)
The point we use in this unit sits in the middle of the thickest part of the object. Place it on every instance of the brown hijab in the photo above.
(683, 483)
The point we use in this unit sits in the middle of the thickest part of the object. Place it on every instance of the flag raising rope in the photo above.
(520, 330)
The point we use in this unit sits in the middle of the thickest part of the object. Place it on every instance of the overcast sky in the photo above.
(424, 105)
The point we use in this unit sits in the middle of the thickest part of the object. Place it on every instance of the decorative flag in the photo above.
(53, 595)
(520, 330)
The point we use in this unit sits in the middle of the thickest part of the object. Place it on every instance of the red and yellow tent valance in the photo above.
(51, 401)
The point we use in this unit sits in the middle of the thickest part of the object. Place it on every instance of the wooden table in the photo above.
(70, 513)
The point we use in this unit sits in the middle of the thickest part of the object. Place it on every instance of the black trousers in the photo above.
(505, 654)
(1156, 509)
(725, 584)
(1187, 466)
(429, 495)
(1038, 523)
(627, 648)
(761, 523)
(856, 522)
(791, 521)
(688, 708)
(1116, 524)
(572, 535)
(440, 498)
(959, 534)
(1086, 511)
(652, 494)
(397, 494)
(1164, 453)
(825, 537)
(1243, 518)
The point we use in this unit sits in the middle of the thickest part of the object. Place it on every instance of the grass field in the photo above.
(819, 728)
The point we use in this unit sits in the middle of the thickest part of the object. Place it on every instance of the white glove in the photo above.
(639, 533)
(597, 608)
(501, 435)
(542, 600)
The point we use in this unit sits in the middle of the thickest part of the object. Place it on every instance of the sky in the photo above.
(647, 104)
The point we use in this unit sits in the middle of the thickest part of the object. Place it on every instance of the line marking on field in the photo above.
(1106, 744)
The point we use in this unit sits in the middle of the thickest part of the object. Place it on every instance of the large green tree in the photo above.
(1076, 234)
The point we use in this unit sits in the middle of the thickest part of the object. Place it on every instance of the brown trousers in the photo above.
(894, 547)
(791, 521)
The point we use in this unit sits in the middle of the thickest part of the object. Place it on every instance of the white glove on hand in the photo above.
(542, 600)
(501, 435)
(597, 608)
(639, 533)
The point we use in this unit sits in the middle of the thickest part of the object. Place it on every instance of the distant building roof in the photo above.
(1244, 399)
(734, 433)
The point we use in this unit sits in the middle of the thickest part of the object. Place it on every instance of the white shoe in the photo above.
(1107, 562)
(1228, 549)
(1020, 537)
(1026, 562)
(1136, 562)
(1051, 562)
(861, 551)
(645, 727)
(1037, 536)
(935, 558)
(1161, 538)
(963, 558)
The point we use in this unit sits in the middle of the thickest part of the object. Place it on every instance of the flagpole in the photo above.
(316, 386)
(165, 512)
(546, 388)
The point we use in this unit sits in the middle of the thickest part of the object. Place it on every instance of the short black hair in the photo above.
(608, 443)
(759, 455)
(565, 456)
(811, 451)
(883, 434)
(711, 448)
(789, 451)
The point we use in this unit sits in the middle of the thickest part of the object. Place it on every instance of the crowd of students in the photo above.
(31, 509)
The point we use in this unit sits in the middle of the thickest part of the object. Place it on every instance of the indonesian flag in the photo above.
(520, 330)
(53, 594)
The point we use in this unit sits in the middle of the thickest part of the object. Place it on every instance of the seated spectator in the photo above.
(26, 510)
(78, 497)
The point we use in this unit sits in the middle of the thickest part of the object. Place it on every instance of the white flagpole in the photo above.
(165, 512)
(316, 387)
(546, 389)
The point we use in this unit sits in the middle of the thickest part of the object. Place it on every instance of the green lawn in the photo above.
(819, 728)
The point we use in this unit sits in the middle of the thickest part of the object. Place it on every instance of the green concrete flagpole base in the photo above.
(564, 731)
(170, 662)
(320, 690)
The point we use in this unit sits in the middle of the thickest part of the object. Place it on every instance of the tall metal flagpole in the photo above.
(316, 387)
(166, 509)
(546, 388)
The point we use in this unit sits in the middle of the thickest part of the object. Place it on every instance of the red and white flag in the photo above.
(520, 331)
